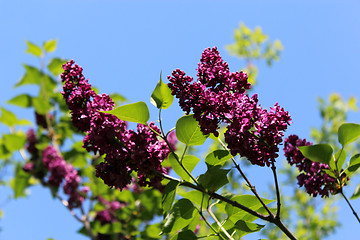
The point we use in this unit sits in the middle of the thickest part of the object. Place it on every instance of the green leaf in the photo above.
(153, 231)
(50, 45)
(189, 162)
(184, 235)
(341, 157)
(227, 225)
(108, 228)
(243, 227)
(214, 178)
(354, 163)
(8, 118)
(22, 100)
(356, 193)
(42, 105)
(168, 196)
(134, 112)
(35, 76)
(218, 157)
(330, 172)
(161, 96)
(20, 182)
(321, 153)
(55, 65)
(188, 131)
(33, 49)
(32, 76)
(195, 197)
(151, 204)
(4, 152)
(15, 141)
(118, 98)
(249, 201)
(348, 132)
(77, 155)
(179, 217)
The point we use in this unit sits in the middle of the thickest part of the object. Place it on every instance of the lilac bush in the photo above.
(131, 161)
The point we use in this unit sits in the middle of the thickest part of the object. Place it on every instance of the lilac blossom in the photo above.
(219, 96)
(312, 175)
(125, 150)
(60, 172)
(30, 146)
(108, 215)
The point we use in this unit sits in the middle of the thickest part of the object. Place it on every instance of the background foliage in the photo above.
(261, 76)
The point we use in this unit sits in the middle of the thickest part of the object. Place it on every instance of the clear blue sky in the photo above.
(123, 46)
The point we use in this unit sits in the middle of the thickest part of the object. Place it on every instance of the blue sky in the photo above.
(123, 46)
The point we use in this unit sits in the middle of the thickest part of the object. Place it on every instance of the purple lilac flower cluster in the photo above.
(108, 215)
(125, 150)
(59, 171)
(211, 97)
(312, 176)
(41, 120)
(219, 96)
(256, 133)
(30, 146)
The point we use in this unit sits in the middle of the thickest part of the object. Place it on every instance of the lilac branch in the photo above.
(352, 209)
(273, 168)
(252, 187)
(269, 218)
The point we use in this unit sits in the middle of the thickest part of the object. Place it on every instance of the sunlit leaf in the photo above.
(189, 162)
(354, 163)
(249, 201)
(218, 157)
(195, 197)
(321, 153)
(161, 96)
(188, 131)
(118, 98)
(33, 49)
(341, 157)
(14, 141)
(179, 217)
(55, 65)
(41, 104)
(348, 132)
(153, 231)
(22, 100)
(356, 193)
(8, 118)
(50, 45)
(243, 227)
(214, 178)
(35, 76)
(20, 182)
(134, 112)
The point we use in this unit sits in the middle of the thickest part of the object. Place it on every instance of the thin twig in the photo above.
(270, 218)
(218, 223)
(66, 204)
(204, 218)
(163, 136)
(215, 195)
(273, 168)
(352, 209)
(252, 187)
